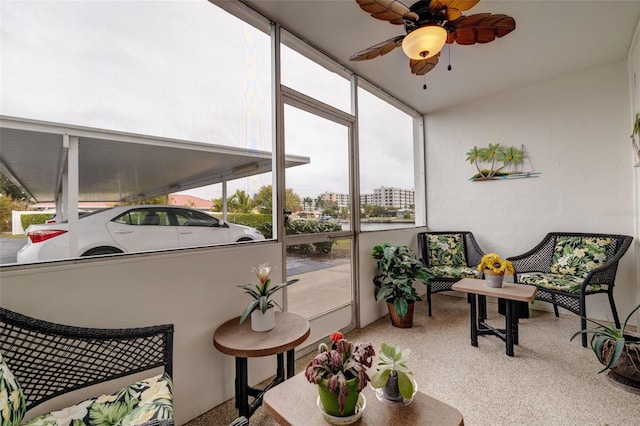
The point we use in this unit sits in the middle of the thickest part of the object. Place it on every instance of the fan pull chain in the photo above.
(449, 68)
(424, 86)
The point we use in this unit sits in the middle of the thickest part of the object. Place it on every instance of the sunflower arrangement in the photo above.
(495, 264)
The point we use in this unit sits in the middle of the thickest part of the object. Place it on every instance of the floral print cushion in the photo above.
(144, 402)
(559, 282)
(12, 402)
(579, 255)
(453, 272)
(446, 250)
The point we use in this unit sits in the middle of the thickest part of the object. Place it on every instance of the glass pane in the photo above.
(325, 280)
(187, 70)
(387, 187)
(306, 76)
(317, 192)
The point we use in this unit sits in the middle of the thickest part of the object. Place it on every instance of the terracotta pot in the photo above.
(397, 320)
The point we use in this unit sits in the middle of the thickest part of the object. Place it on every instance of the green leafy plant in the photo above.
(393, 361)
(398, 267)
(608, 342)
(262, 291)
(494, 154)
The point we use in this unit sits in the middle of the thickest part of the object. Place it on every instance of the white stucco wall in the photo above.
(576, 132)
(634, 89)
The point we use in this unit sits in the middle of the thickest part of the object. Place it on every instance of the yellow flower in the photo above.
(493, 263)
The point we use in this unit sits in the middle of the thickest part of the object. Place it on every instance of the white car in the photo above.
(128, 229)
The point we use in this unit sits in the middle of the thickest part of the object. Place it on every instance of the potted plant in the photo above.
(260, 308)
(493, 268)
(393, 378)
(340, 371)
(618, 350)
(398, 267)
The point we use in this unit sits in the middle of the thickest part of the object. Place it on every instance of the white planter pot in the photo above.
(263, 322)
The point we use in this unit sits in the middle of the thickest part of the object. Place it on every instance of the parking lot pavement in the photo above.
(298, 265)
(9, 249)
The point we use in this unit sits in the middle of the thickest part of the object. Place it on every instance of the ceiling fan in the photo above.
(429, 25)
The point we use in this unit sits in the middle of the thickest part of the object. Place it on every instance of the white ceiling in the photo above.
(552, 39)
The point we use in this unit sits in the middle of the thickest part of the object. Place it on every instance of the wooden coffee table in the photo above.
(294, 402)
(240, 341)
(510, 293)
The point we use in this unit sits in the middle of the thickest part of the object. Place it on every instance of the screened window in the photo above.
(387, 187)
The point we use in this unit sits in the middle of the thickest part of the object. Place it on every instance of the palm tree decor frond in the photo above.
(496, 160)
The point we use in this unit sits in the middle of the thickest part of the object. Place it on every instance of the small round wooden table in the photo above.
(240, 341)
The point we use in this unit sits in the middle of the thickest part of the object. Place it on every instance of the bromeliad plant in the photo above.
(262, 291)
(339, 363)
(493, 263)
(393, 364)
(609, 343)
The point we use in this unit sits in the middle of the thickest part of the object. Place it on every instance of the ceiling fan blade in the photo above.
(378, 50)
(423, 66)
(452, 8)
(388, 10)
(480, 28)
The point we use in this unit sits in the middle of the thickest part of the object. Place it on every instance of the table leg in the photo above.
(510, 311)
(242, 395)
(482, 308)
(280, 367)
(291, 363)
(474, 325)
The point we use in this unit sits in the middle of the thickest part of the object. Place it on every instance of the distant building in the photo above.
(393, 197)
(342, 200)
(383, 196)
(190, 201)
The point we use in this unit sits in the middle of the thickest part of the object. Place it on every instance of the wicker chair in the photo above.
(451, 265)
(49, 359)
(564, 276)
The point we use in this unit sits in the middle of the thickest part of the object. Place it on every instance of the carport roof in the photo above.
(118, 166)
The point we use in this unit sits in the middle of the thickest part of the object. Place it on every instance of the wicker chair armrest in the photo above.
(52, 359)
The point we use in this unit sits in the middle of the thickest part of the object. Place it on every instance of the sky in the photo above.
(170, 69)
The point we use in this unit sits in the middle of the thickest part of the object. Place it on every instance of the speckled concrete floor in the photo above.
(550, 381)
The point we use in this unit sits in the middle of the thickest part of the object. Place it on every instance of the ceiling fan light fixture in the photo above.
(424, 42)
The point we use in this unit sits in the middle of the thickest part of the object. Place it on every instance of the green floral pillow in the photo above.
(12, 402)
(579, 255)
(141, 403)
(446, 250)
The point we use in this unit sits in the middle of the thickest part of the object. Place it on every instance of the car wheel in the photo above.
(101, 250)
(244, 239)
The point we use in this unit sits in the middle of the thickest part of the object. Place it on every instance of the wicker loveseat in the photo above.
(449, 257)
(41, 360)
(566, 267)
